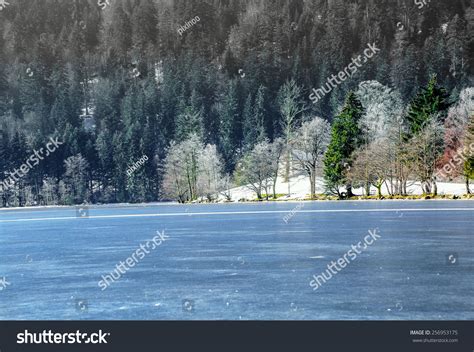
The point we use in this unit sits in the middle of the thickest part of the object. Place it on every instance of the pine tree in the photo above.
(144, 25)
(344, 141)
(105, 153)
(405, 68)
(229, 117)
(254, 115)
(259, 114)
(189, 120)
(119, 38)
(248, 127)
(431, 102)
(120, 162)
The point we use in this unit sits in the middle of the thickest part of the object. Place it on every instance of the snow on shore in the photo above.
(300, 189)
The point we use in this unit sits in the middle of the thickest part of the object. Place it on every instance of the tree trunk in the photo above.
(379, 188)
(379, 191)
(404, 188)
(427, 187)
(274, 184)
(312, 179)
(349, 191)
(287, 170)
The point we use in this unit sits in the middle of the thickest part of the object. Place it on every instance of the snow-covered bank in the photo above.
(300, 189)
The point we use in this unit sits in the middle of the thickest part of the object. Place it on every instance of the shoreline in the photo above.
(151, 204)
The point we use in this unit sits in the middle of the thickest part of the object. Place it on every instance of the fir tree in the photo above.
(431, 102)
(344, 141)
(254, 115)
(229, 116)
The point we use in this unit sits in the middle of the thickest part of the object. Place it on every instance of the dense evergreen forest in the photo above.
(120, 81)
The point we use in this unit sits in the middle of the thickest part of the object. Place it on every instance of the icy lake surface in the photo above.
(240, 261)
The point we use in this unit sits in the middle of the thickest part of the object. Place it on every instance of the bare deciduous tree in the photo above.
(174, 183)
(181, 169)
(382, 106)
(310, 144)
(426, 149)
(210, 173)
(291, 106)
(371, 164)
(277, 148)
(225, 187)
(192, 171)
(257, 169)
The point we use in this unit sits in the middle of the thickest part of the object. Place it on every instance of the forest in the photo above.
(145, 105)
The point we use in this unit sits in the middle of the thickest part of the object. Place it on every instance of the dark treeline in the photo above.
(114, 80)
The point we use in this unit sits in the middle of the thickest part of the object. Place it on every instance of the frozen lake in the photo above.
(240, 261)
